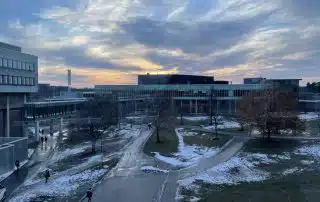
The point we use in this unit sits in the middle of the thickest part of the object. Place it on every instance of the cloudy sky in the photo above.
(111, 41)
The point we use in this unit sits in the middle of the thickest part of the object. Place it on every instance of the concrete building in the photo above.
(191, 98)
(18, 79)
(172, 79)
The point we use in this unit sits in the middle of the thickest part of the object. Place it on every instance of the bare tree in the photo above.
(165, 115)
(270, 111)
(96, 116)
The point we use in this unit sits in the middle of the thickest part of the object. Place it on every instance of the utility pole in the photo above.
(211, 106)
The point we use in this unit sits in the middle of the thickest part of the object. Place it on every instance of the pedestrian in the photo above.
(17, 163)
(89, 194)
(149, 125)
(47, 175)
(45, 138)
(41, 138)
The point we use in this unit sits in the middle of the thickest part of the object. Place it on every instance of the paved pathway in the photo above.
(126, 182)
(41, 154)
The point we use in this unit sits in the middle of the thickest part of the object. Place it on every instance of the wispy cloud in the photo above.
(106, 41)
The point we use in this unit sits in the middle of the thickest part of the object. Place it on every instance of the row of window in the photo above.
(16, 80)
(17, 64)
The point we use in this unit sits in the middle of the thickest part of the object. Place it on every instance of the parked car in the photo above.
(3, 192)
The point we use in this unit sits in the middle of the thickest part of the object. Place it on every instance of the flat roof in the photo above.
(10, 46)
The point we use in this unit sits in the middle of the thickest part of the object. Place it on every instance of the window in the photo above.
(1, 62)
(31, 67)
(0, 79)
(23, 81)
(32, 81)
(14, 64)
(14, 80)
(10, 80)
(10, 63)
(5, 62)
(27, 81)
(19, 80)
(23, 65)
(19, 64)
(5, 79)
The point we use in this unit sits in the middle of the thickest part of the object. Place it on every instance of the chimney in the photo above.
(69, 80)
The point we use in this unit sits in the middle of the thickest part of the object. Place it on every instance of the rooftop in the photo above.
(10, 47)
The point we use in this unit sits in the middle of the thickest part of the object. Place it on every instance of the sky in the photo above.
(112, 41)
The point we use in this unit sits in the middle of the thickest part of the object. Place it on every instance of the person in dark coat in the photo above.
(89, 194)
(41, 138)
(45, 139)
(17, 163)
(47, 175)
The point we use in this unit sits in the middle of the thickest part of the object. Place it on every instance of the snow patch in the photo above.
(313, 150)
(194, 118)
(187, 155)
(223, 125)
(308, 116)
(30, 152)
(68, 152)
(306, 162)
(151, 168)
(259, 158)
(233, 171)
(291, 171)
(61, 186)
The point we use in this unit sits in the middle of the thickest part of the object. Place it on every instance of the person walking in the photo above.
(45, 139)
(41, 138)
(89, 194)
(47, 175)
(17, 163)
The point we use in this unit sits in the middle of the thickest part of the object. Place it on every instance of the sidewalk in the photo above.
(41, 153)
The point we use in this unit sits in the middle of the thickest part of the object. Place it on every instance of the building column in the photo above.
(36, 130)
(60, 125)
(181, 104)
(217, 107)
(190, 104)
(8, 117)
(196, 107)
(172, 104)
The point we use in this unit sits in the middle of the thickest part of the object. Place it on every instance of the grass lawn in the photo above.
(303, 185)
(168, 146)
(313, 127)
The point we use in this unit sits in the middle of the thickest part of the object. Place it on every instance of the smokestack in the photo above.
(69, 80)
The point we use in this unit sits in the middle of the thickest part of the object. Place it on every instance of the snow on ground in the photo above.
(306, 162)
(194, 118)
(291, 171)
(187, 155)
(61, 186)
(233, 171)
(224, 124)
(151, 168)
(126, 131)
(30, 152)
(243, 167)
(69, 152)
(7, 174)
(313, 150)
(309, 116)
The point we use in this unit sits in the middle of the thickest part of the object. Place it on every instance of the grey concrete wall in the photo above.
(19, 148)
(7, 158)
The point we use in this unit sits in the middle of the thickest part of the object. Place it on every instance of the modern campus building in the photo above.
(18, 78)
(190, 94)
